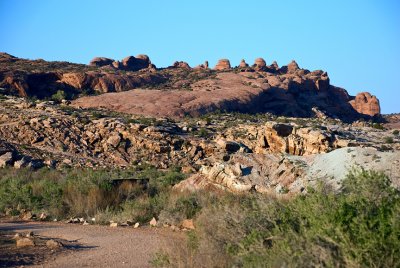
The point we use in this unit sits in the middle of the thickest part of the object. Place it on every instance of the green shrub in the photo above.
(86, 192)
(360, 226)
(396, 132)
(388, 140)
(59, 96)
(378, 126)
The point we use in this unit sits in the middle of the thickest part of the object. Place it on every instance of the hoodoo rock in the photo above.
(275, 65)
(259, 64)
(101, 61)
(181, 64)
(223, 64)
(292, 67)
(365, 103)
(243, 64)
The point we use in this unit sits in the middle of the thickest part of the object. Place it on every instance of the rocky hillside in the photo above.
(231, 150)
(181, 90)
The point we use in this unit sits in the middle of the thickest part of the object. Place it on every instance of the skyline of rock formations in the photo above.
(282, 90)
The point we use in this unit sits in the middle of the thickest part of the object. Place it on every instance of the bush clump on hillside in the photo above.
(358, 227)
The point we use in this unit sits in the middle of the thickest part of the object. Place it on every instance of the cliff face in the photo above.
(180, 90)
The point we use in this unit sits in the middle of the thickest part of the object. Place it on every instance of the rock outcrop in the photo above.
(137, 63)
(129, 63)
(367, 104)
(243, 64)
(253, 153)
(101, 61)
(181, 64)
(223, 64)
(259, 64)
(287, 91)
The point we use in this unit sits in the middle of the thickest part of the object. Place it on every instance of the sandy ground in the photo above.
(100, 246)
(334, 166)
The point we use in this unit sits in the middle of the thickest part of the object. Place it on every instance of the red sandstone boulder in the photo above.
(365, 103)
(100, 61)
(259, 64)
(137, 63)
(223, 64)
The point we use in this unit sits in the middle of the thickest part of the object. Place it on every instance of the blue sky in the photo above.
(357, 42)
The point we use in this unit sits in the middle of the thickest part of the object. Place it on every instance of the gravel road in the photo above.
(100, 246)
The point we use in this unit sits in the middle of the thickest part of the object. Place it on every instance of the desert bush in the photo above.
(59, 96)
(378, 126)
(87, 192)
(395, 132)
(388, 140)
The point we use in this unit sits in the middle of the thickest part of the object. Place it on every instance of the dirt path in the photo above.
(101, 246)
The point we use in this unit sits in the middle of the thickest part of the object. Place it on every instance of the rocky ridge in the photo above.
(287, 90)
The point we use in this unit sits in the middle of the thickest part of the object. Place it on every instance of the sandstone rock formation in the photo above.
(291, 68)
(288, 91)
(274, 65)
(367, 104)
(253, 153)
(129, 63)
(132, 63)
(181, 64)
(223, 64)
(302, 141)
(243, 64)
(101, 61)
(259, 64)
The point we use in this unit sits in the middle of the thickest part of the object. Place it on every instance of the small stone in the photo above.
(85, 223)
(6, 159)
(21, 163)
(27, 216)
(188, 224)
(153, 222)
(17, 236)
(136, 225)
(114, 140)
(25, 242)
(29, 234)
(53, 244)
(67, 161)
(42, 216)
(114, 224)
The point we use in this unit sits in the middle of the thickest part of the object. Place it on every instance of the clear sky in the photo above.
(356, 41)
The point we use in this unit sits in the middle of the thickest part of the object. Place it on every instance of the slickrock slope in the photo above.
(180, 90)
(287, 94)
